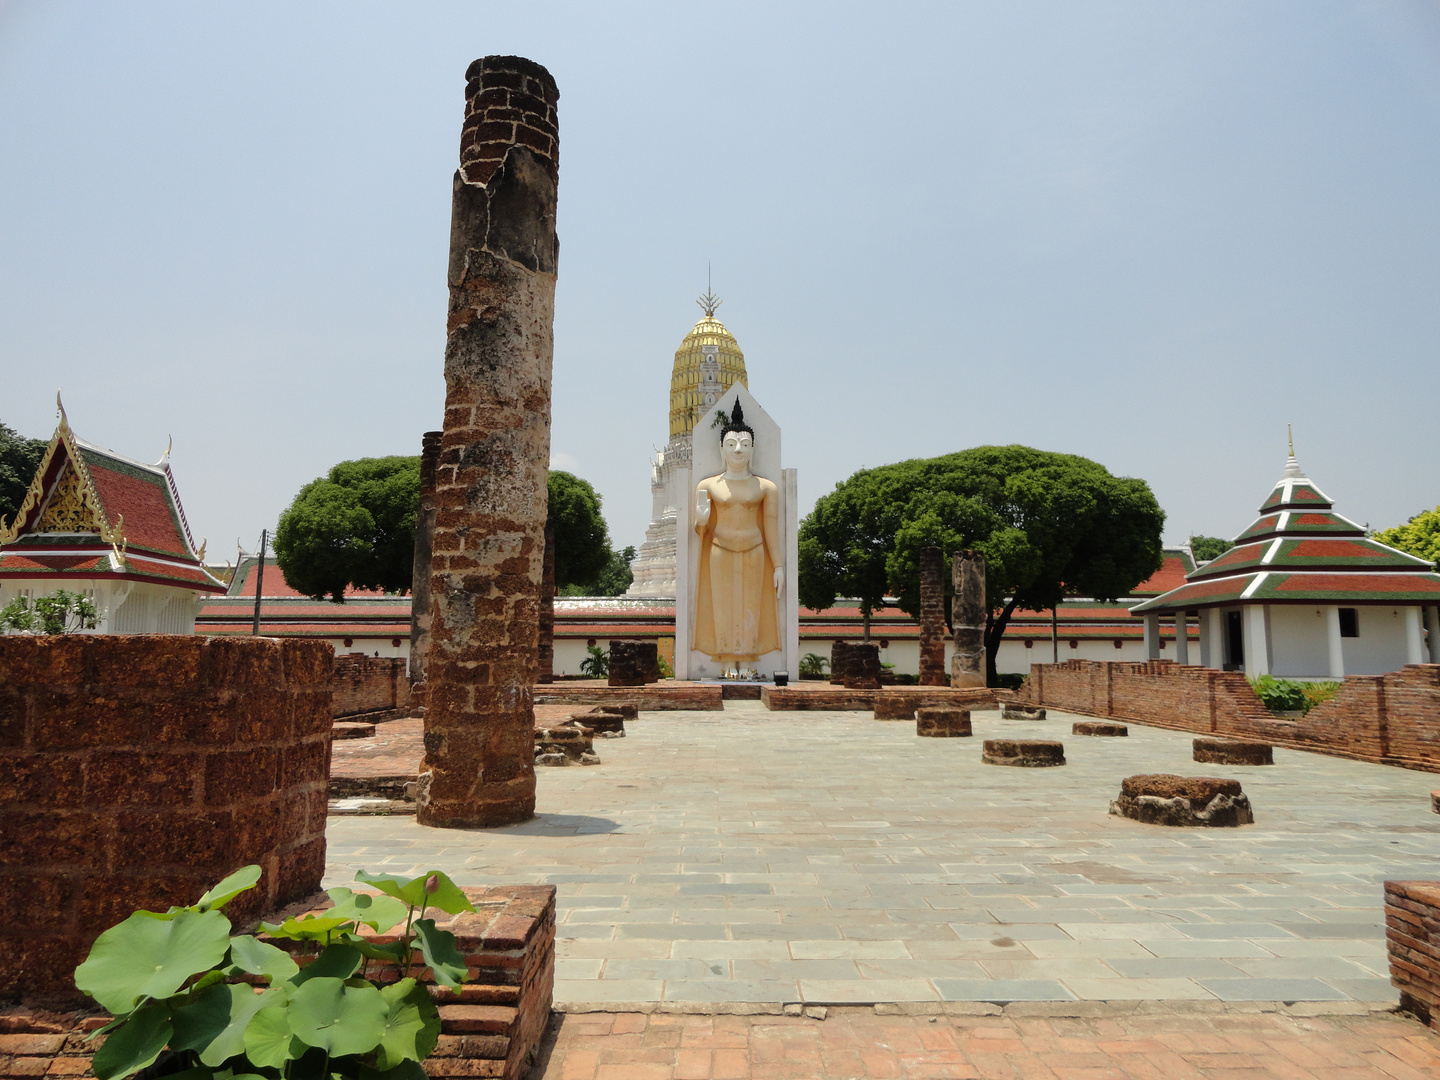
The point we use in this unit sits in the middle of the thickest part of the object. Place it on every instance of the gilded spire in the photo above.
(1292, 467)
(709, 302)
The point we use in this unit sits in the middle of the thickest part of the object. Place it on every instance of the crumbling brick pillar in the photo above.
(632, 663)
(862, 666)
(424, 539)
(932, 617)
(839, 658)
(490, 486)
(967, 615)
(547, 609)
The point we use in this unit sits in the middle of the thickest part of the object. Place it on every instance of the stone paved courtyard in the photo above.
(830, 857)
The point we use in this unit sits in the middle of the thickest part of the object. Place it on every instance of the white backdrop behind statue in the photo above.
(706, 461)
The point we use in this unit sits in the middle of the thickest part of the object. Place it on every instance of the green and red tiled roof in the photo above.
(136, 529)
(1300, 551)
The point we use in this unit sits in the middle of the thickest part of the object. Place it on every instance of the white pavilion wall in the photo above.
(1299, 642)
(1380, 648)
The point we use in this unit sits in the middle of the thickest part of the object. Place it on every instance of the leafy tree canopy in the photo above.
(1420, 536)
(1205, 548)
(354, 526)
(19, 458)
(582, 542)
(1048, 525)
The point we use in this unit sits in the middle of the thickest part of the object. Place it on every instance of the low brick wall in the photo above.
(140, 771)
(823, 697)
(370, 684)
(1391, 719)
(654, 697)
(1412, 935)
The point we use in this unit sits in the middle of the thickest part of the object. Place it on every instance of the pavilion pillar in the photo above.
(490, 487)
(1335, 642)
(424, 540)
(1212, 648)
(1182, 639)
(932, 617)
(1152, 635)
(1432, 626)
(967, 615)
(1414, 639)
(1257, 645)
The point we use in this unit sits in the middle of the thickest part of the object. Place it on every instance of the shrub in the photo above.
(1292, 695)
(597, 664)
(813, 665)
(59, 613)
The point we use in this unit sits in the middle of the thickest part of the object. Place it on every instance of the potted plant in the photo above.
(192, 1000)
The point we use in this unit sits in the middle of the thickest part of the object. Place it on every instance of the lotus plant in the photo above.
(232, 1007)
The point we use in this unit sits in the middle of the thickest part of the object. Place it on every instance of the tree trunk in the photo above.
(994, 632)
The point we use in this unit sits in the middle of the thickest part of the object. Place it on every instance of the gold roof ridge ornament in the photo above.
(709, 302)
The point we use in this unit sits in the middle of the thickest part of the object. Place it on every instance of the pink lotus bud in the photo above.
(432, 883)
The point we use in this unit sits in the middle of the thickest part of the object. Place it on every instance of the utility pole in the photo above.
(1055, 635)
(259, 582)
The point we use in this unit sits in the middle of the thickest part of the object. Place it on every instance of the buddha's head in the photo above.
(737, 441)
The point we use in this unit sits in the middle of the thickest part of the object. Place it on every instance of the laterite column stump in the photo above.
(1026, 753)
(1021, 712)
(942, 722)
(1231, 752)
(1166, 799)
(607, 721)
(894, 707)
(1098, 727)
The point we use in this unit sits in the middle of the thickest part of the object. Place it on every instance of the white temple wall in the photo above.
(1299, 642)
(1380, 648)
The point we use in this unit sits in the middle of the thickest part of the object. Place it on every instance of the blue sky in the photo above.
(1151, 234)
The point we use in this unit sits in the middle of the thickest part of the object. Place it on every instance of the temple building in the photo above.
(111, 529)
(707, 363)
(1304, 593)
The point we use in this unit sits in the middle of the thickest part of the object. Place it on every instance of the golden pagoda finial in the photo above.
(709, 302)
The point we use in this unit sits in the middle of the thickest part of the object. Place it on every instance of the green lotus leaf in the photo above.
(213, 1024)
(440, 952)
(405, 1070)
(135, 1045)
(338, 961)
(412, 1027)
(336, 1018)
(269, 1042)
(240, 881)
(310, 928)
(447, 895)
(144, 957)
(382, 913)
(257, 957)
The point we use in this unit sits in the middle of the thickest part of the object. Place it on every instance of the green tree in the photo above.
(616, 577)
(59, 613)
(19, 458)
(353, 526)
(1205, 548)
(1048, 525)
(1420, 536)
(582, 542)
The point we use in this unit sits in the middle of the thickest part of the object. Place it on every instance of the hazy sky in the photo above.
(1148, 233)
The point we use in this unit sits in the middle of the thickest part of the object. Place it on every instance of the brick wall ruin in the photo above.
(1392, 719)
(370, 685)
(143, 770)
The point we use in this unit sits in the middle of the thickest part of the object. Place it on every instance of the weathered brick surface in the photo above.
(633, 663)
(894, 707)
(818, 696)
(1393, 719)
(942, 722)
(839, 661)
(1412, 933)
(932, 617)
(146, 768)
(490, 483)
(370, 684)
(424, 543)
(669, 695)
(862, 666)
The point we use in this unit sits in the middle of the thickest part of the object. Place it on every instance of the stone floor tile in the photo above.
(603, 990)
(1003, 990)
(1214, 947)
(1130, 989)
(736, 989)
(1255, 989)
(1070, 949)
(684, 968)
(867, 990)
(1175, 967)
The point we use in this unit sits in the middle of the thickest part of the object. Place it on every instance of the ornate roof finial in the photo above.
(1292, 467)
(60, 411)
(709, 302)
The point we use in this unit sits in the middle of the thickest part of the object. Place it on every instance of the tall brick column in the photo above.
(424, 540)
(547, 609)
(490, 486)
(932, 617)
(967, 615)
